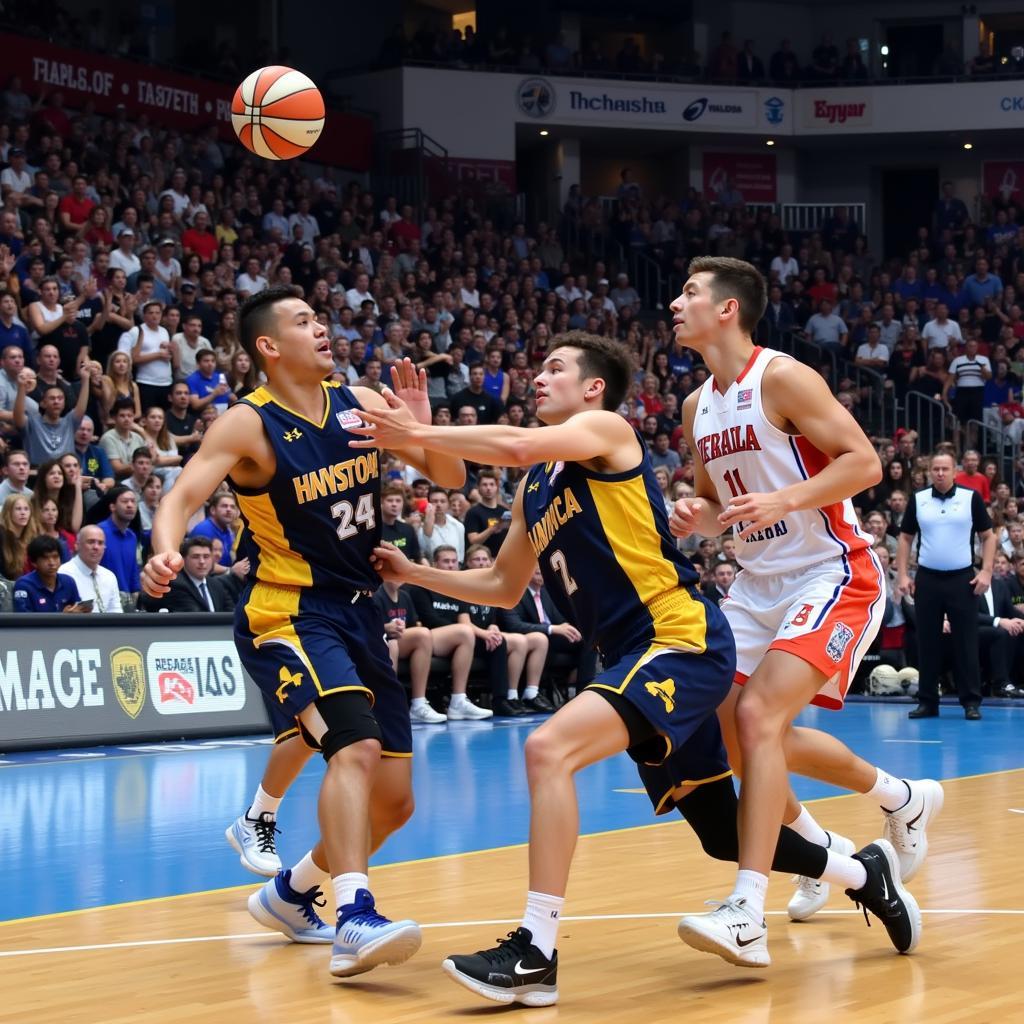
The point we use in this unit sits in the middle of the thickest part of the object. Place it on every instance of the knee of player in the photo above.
(756, 721)
(401, 809)
(361, 756)
(544, 750)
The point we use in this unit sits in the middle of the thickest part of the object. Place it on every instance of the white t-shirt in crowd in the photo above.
(940, 335)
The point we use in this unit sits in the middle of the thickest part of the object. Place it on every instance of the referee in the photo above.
(947, 517)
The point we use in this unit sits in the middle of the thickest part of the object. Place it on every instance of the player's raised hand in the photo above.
(390, 563)
(755, 511)
(159, 571)
(685, 516)
(393, 427)
(410, 385)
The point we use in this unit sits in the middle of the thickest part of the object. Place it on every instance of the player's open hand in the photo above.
(410, 385)
(685, 515)
(393, 427)
(159, 571)
(390, 563)
(754, 511)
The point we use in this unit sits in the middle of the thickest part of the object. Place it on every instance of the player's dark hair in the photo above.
(44, 544)
(601, 358)
(735, 279)
(255, 318)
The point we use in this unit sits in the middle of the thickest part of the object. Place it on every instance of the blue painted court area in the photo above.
(86, 828)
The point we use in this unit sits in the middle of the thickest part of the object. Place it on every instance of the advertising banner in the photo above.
(169, 98)
(1003, 179)
(750, 174)
(78, 680)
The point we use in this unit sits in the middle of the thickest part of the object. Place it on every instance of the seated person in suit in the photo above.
(196, 589)
(408, 639)
(536, 613)
(722, 575)
(999, 627)
(45, 589)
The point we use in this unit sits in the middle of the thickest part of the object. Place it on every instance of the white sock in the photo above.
(530, 692)
(891, 792)
(844, 871)
(345, 887)
(306, 874)
(419, 702)
(751, 886)
(263, 802)
(513, 694)
(458, 699)
(541, 918)
(804, 825)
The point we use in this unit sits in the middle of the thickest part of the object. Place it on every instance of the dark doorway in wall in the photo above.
(908, 198)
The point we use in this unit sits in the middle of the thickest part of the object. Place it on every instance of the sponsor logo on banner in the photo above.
(1003, 179)
(1012, 104)
(774, 110)
(128, 676)
(189, 678)
(699, 107)
(535, 97)
(833, 112)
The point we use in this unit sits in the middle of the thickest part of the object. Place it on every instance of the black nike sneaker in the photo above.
(885, 896)
(515, 971)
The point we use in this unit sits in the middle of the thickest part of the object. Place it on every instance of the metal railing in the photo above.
(993, 442)
(648, 280)
(930, 418)
(813, 216)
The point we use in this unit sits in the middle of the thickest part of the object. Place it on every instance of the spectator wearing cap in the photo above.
(123, 257)
(167, 268)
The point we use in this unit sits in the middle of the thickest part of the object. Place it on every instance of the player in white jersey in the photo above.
(777, 459)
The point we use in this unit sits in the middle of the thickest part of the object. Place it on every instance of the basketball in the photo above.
(277, 113)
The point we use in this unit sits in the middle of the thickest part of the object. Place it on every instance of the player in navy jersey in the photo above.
(306, 629)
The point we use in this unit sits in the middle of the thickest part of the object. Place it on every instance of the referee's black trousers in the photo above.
(949, 593)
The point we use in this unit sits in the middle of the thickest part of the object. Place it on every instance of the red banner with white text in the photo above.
(750, 174)
(168, 98)
(1004, 180)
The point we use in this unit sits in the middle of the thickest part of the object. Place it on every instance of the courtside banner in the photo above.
(75, 680)
(181, 101)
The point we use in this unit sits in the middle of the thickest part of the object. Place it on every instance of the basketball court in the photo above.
(124, 902)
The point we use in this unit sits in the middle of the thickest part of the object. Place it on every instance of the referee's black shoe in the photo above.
(539, 705)
(972, 713)
(885, 896)
(924, 711)
(514, 971)
(504, 708)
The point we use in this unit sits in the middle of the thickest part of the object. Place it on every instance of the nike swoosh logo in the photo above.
(913, 821)
(746, 942)
(518, 970)
(885, 889)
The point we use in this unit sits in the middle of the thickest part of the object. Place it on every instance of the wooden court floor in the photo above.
(201, 958)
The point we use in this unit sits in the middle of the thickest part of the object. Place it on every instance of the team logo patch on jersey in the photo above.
(292, 435)
(559, 466)
(838, 641)
(348, 418)
(744, 398)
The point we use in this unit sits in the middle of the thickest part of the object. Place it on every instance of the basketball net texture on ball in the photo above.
(277, 113)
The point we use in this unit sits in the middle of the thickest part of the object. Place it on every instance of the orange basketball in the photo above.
(277, 113)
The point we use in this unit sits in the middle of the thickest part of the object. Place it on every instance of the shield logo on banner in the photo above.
(129, 678)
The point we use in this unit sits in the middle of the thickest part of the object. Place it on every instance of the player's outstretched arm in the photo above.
(228, 441)
(798, 395)
(700, 513)
(593, 434)
(502, 585)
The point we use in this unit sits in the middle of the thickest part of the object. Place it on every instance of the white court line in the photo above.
(912, 741)
(142, 943)
(1017, 810)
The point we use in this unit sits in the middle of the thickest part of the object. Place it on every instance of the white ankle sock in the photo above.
(457, 700)
(530, 692)
(751, 886)
(541, 918)
(263, 802)
(419, 702)
(890, 791)
(513, 694)
(345, 887)
(306, 874)
(804, 825)
(844, 871)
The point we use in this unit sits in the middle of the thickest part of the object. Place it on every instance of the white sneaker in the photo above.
(277, 905)
(426, 714)
(731, 931)
(466, 711)
(905, 828)
(812, 893)
(253, 838)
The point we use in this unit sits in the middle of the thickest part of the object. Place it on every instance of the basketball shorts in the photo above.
(675, 688)
(300, 644)
(826, 614)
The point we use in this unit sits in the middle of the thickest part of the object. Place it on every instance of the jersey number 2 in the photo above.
(557, 561)
(362, 514)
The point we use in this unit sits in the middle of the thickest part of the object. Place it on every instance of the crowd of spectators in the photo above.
(126, 248)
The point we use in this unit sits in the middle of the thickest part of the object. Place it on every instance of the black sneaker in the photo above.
(539, 705)
(515, 971)
(884, 895)
(505, 708)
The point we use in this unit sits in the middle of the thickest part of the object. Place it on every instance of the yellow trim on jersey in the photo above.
(651, 652)
(278, 560)
(660, 807)
(391, 753)
(624, 509)
(261, 396)
(286, 735)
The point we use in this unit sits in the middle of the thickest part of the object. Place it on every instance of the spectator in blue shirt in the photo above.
(92, 458)
(980, 285)
(908, 286)
(45, 589)
(206, 385)
(121, 554)
(223, 512)
(12, 332)
(950, 212)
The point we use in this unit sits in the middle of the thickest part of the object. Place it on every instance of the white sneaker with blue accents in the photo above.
(366, 939)
(277, 905)
(253, 839)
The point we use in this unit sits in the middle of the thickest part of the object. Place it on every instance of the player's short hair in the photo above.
(735, 279)
(256, 316)
(44, 544)
(603, 358)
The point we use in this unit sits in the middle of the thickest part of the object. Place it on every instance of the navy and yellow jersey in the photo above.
(608, 559)
(318, 520)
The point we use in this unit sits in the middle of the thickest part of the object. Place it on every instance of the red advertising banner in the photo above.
(487, 174)
(169, 98)
(750, 174)
(1003, 179)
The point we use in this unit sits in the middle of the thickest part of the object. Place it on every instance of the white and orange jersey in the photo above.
(743, 452)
